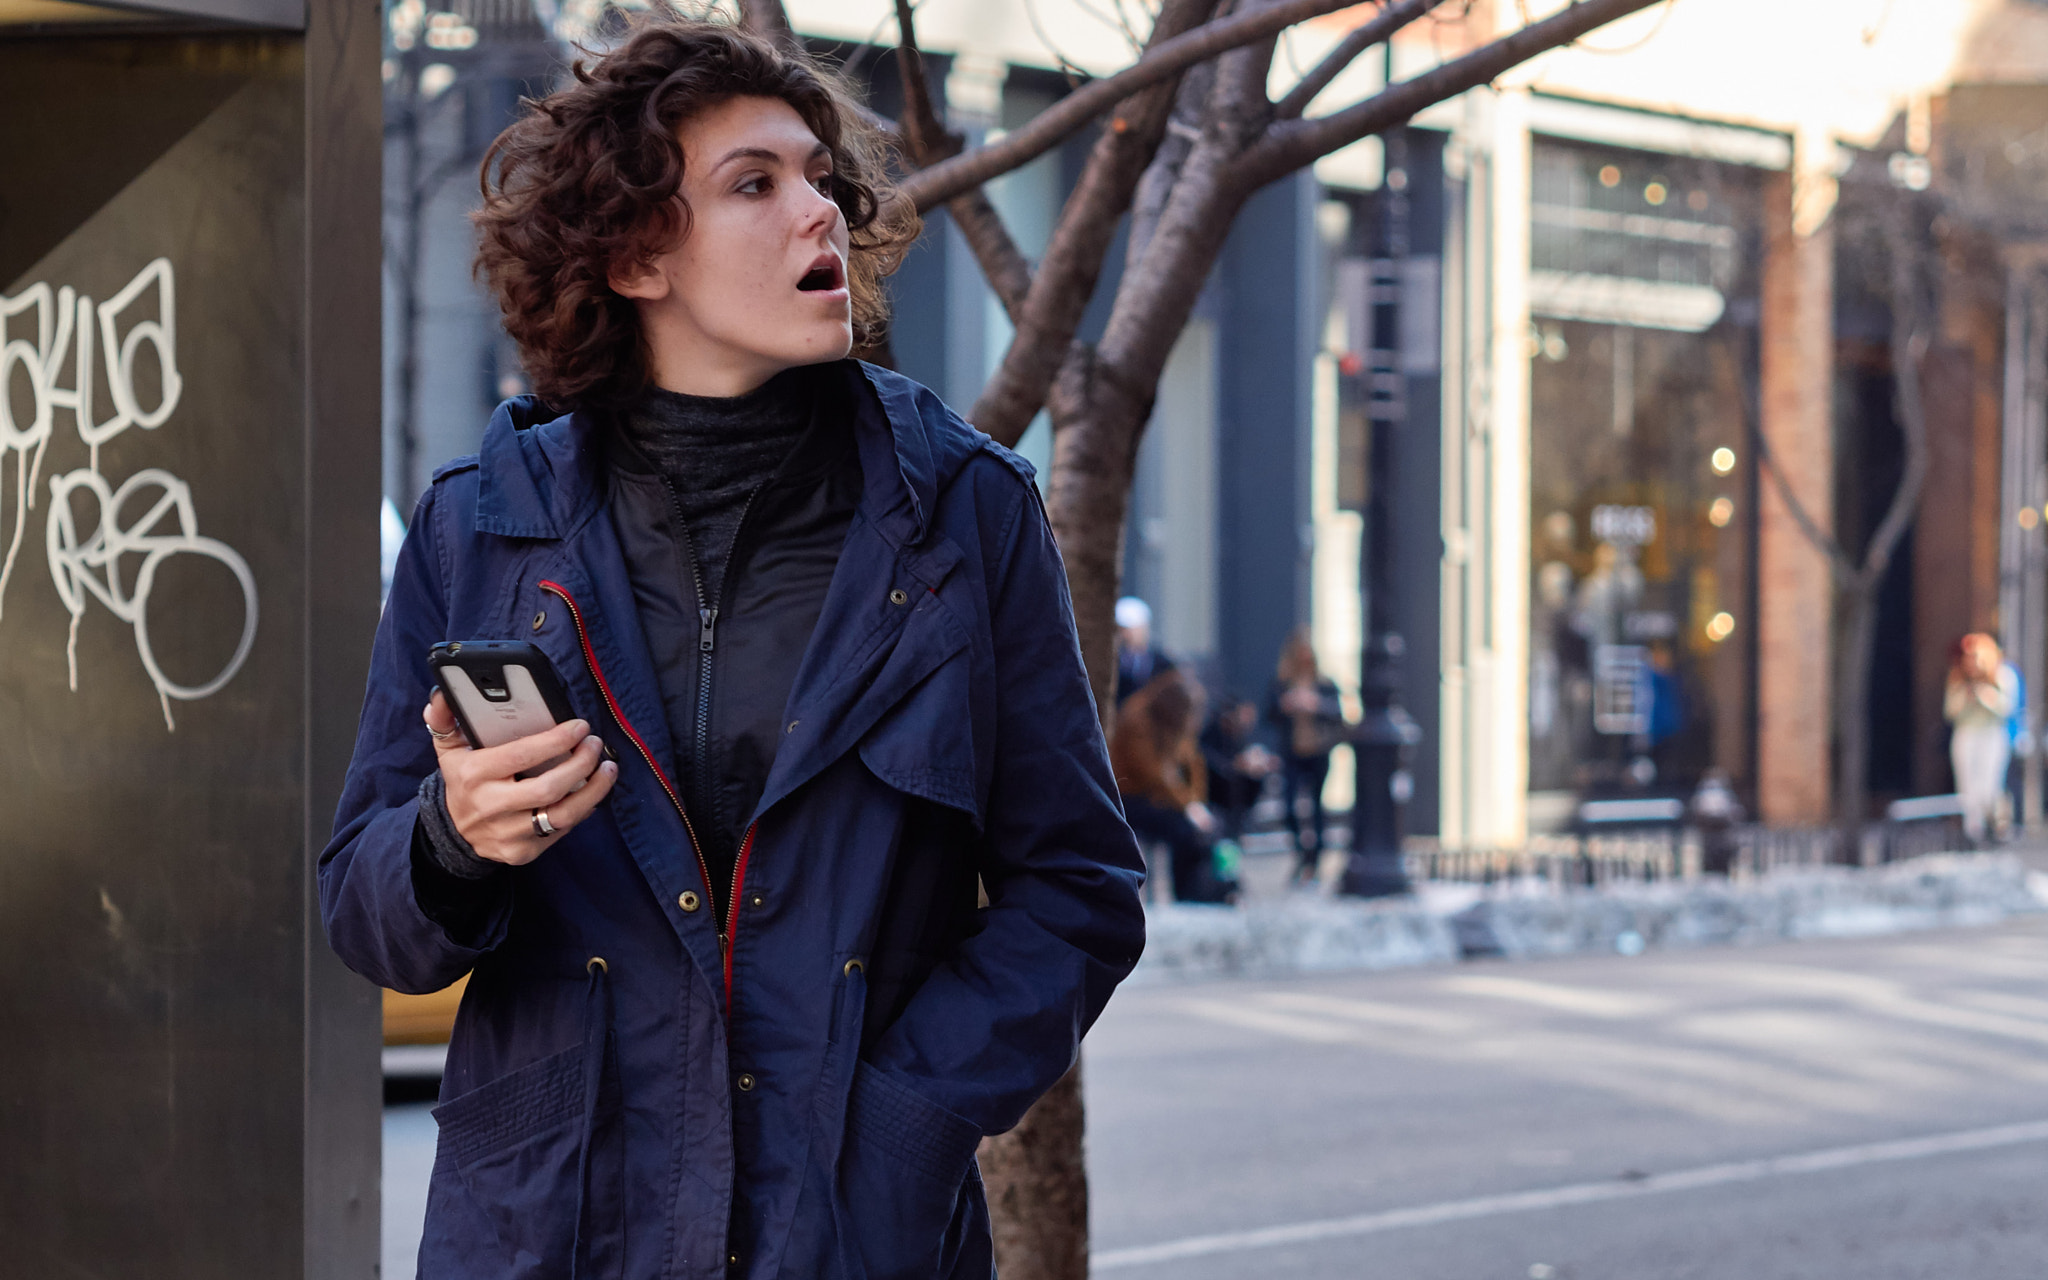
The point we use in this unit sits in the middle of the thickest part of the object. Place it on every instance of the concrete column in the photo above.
(1796, 598)
(1499, 676)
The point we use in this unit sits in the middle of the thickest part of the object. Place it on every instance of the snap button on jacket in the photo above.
(800, 1085)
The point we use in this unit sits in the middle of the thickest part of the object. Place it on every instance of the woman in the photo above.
(733, 1007)
(1978, 703)
(1160, 774)
(1305, 708)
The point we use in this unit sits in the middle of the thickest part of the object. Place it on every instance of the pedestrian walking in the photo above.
(1979, 701)
(1137, 658)
(1160, 774)
(1308, 713)
(735, 1008)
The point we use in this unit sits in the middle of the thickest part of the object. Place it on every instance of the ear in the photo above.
(641, 281)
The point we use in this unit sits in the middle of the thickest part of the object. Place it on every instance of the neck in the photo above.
(690, 362)
(705, 374)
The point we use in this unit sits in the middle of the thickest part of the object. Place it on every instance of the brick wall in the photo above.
(1795, 596)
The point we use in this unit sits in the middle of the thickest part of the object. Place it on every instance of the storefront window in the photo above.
(1642, 303)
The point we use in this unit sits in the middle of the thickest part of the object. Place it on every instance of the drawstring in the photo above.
(597, 1023)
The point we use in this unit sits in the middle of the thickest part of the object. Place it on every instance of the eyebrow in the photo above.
(763, 153)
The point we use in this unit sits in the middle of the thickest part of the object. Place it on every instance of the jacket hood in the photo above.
(541, 474)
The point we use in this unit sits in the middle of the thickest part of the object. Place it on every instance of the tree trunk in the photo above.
(1094, 451)
(1037, 1183)
(1037, 1175)
(1858, 603)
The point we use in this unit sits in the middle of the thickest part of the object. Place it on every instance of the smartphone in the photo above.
(501, 691)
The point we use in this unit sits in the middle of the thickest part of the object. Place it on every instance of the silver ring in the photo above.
(440, 735)
(541, 826)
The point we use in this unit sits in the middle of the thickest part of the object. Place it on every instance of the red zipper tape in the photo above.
(732, 919)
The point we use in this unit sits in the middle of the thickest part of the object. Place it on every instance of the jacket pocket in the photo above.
(515, 1144)
(904, 1170)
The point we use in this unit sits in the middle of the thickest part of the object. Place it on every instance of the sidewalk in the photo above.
(1281, 931)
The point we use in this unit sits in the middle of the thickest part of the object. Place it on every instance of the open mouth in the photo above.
(822, 277)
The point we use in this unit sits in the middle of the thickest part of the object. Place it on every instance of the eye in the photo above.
(753, 185)
(823, 182)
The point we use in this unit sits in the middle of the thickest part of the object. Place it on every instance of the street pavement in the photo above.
(1874, 1109)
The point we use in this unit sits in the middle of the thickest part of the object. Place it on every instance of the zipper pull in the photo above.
(707, 620)
(723, 943)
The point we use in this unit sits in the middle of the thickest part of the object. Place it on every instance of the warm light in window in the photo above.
(1724, 460)
(1610, 176)
(1720, 627)
(1721, 512)
(1696, 201)
(2029, 517)
(1655, 193)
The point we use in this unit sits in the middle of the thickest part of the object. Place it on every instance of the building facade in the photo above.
(1642, 376)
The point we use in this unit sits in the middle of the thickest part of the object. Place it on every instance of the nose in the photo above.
(820, 212)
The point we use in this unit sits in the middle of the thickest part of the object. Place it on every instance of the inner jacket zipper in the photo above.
(707, 644)
(730, 924)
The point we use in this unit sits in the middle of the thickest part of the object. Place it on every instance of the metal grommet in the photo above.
(745, 1082)
(899, 596)
(596, 964)
(853, 966)
(539, 618)
(757, 902)
(792, 726)
(688, 900)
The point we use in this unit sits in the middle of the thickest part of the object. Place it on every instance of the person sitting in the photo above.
(1159, 770)
(1237, 765)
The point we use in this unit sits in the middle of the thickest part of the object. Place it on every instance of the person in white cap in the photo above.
(1137, 661)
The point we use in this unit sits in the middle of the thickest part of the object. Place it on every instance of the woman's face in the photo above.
(758, 282)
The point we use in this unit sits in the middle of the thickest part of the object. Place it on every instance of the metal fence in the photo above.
(1678, 852)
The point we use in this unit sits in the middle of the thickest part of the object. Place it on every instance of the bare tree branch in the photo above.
(1356, 41)
(1909, 348)
(1002, 263)
(1292, 144)
(1155, 188)
(926, 142)
(923, 135)
(1160, 285)
(1066, 278)
(1163, 60)
(768, 18)
(1821, 540)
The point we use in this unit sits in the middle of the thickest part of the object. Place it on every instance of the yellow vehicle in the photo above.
(428, 1019)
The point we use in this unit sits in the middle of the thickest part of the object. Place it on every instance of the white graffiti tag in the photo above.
(91, 566)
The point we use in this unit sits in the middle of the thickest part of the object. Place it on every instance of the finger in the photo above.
(522, 754)
(577, 806)
(440, 721)
(547, 788)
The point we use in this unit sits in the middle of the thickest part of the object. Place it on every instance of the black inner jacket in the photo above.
(770, 594)
(786, 552)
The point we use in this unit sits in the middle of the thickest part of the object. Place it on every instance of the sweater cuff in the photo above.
(450, 852)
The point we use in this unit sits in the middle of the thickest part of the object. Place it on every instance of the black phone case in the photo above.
(485, 661)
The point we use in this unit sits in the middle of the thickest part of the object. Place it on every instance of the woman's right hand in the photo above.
(493, 810)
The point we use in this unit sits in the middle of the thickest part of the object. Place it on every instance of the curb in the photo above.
(1445, 922)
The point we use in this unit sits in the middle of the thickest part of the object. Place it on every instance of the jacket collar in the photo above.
(541, 475)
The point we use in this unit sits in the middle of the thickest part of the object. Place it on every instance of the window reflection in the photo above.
(1642, 295)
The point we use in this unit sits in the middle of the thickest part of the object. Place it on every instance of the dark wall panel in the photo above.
(155, 772)
(1266, 348)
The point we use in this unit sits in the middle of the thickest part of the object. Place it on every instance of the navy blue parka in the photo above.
(636, 1089)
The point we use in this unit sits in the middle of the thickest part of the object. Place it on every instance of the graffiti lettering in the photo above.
(69, 324)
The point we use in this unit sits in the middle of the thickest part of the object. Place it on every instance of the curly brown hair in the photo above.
(590, 178)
